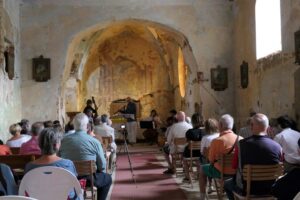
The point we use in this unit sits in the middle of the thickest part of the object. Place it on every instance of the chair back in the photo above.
(86, 168)
(49, 183)
(179, 142)
(15, 150)
(260, 173)
(194, 145)
(17, 161)
(225, 161)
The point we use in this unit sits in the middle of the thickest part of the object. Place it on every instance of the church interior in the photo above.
(211, 57)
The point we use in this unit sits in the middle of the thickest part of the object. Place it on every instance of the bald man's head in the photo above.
(180, 116)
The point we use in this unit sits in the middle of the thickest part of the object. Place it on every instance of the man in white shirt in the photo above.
(177, 130)
(288, 138)
(104, 130)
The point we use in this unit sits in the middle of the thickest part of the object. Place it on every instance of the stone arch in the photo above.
(91, 39)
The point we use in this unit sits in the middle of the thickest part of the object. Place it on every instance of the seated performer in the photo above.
(151, 133)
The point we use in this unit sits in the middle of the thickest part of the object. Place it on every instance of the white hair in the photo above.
(80, 122)
(261, 119)
(226, 121)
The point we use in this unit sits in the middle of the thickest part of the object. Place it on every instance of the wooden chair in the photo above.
(259, 173)
(193, 161)
(177, 156)
(87, 168)
(17, 161)
(225, 161)
(15, 150)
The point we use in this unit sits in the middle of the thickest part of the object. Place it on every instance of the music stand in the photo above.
(146, 124)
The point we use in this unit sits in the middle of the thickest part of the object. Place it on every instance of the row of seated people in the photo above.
(58, 149)
(217, 138)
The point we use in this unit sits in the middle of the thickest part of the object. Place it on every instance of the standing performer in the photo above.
(131, 124)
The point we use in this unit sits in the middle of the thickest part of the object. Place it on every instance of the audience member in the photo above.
(257, 149)
(223, 144)
(288, 186)
(48, 124)
(177, 130)
(246, 131)
(17, 139)
(69, 129)
(288, 138)
(49, 143)
(4, 149)
(102, 129)
(32, 146)
(212, 132)
(194, 134)
(25, 125)
(81, 146)
(90, 129)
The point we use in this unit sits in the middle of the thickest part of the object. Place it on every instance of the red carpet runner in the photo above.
(150, 182)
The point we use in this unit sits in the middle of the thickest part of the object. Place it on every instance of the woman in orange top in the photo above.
(4, 149)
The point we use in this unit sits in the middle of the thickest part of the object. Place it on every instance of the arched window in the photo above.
(268, 27)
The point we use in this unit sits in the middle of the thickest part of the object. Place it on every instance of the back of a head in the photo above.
(48, 140)
(262, 121)
(197, 120)
(37, 128)
(226, 122)
(284, 121)
(180, 116)
(15, 128)
(80, 122)
(104, 118)
(173, 112)
(211, 126)
(48, 124)
(97, 121)
(89, 102)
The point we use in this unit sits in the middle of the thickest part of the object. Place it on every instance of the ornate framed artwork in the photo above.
(41, 69)
(219, 78)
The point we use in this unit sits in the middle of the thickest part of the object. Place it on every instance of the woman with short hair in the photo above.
(17, 139)
(49, 142)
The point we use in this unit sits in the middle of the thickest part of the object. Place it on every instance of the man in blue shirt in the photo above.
(81, 146)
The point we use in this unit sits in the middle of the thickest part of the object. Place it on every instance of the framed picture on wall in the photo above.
(219, 78)
(41, 69)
